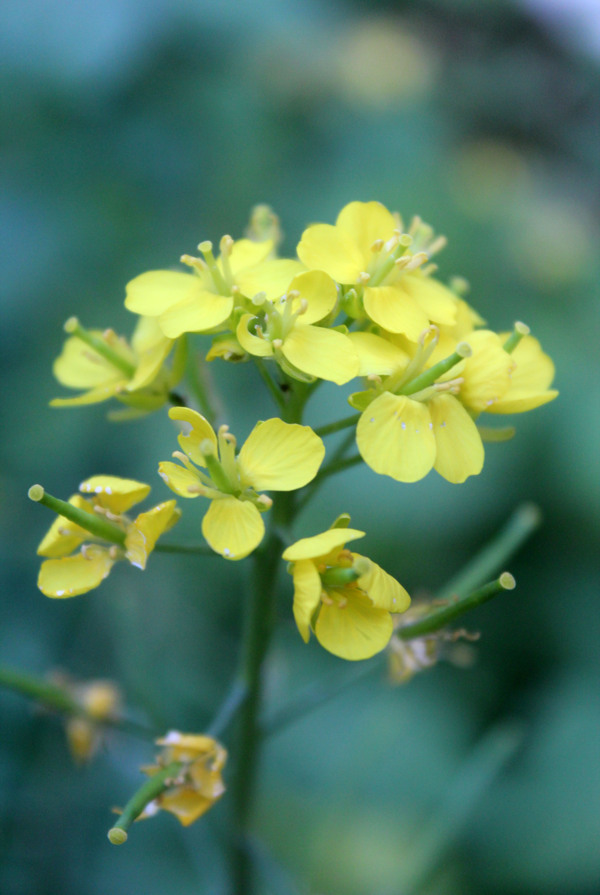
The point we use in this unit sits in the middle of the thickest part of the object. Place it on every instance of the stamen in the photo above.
(265, 500)
(113, 552)
(416, 261)
(363, 278)
(277, 343)
(325, 598)
(226, 245)
(377, 246)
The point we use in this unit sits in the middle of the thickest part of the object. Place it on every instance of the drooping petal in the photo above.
(74, 575)
(232, 527)
(365, 222)
(394, 438)
(201, 430)
(321, 544)
(79, 366)
(113, 493)
(185, 803)
(324, 353)
(198, 313)
(382, 589)
(280, 456)
(271, 277)
(152, 348)
(377, 355)
(436, 300)
(486, 373)
(143, 534)
(460, 451)
(358, 631)
(64, 536)
(319, 290)
(395, 310)
(307, 593)
(252, 344)
(94, 396)
(155, 291)
(182, 481)
(323, 247)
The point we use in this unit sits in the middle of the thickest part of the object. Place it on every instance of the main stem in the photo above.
(257, 633)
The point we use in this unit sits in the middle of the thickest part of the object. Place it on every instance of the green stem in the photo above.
(520, 330)
(429, 377)
(96, 525)
(442, 617)
(490, 558)
(100, 346)
(272, 387)
(145, 794)
(330, 428)
(228, 709)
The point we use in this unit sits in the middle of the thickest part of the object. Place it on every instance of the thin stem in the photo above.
(96, 525)
(330, 428)
(490, 558)
(228, 709)
(272, 387)
(442, 617)
(428, 377)
(145, 794)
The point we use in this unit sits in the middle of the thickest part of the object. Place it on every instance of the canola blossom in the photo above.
(276, 456)
(82, 553)
(345, 599)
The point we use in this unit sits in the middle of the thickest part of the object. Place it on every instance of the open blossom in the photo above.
(203, 300)
(346, 599)
(197, 785)
(368, 250)
(78, 561)
(285, 330)
(105, 365)
(276, 456)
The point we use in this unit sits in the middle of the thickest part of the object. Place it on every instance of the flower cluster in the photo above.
(359, 300)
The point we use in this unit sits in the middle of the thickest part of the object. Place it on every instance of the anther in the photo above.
(377, 245)
(265, 501)
(277, 343)
(363, 278)
(226, 245)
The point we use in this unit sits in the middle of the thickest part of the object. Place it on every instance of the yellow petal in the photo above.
(324, 353)
(181, 480)
(201, 430)
(307, 593)
(486, 373)
(459, 447)
(74, 575)
(365, 222)
(383, 590)
(395, 310)
(64, 536)
(530, 380)
(319, 290)
(94, 396)
(79, 366)
(436, 300)
(198, 313)
(394, 438)
(358, 631)
(246, 253)
(377, 355)
(232, 527)
(516, 401)
(143, 534)
(152, 348)
(252, 344)
(280, 456)
(113, 493)
(321, 544)
(185, 803)
(272, 278)
(328, 248)
(155, 291)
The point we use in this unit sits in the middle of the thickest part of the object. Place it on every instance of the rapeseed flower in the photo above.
(197, 785)
(380, 267)
(67, 573)
(276, 456)
(345, 599)
(107, 366)
(285, 331)
(203, 300)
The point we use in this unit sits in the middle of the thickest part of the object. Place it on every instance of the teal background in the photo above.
(131, 132)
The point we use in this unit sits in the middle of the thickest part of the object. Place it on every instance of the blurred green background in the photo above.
(134, 130)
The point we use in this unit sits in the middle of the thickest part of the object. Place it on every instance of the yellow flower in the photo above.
(344, 598)
(203, 300)
(285, 331)
(68, 574)
(198, 784)
(100, 701)
(368, 250)
(530, 380)
(107, 366)
(277, 456)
